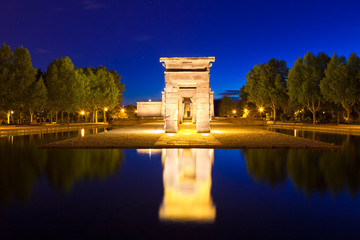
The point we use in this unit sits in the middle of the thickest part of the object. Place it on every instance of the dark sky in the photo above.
(130, 36)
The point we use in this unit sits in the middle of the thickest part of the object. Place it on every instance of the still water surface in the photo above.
(177, 193)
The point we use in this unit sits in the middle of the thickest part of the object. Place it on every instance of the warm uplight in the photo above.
(245, 110)
(82, 132)
(105, 109)
(122, 110)
(234, 111)
(215, 131)
(12, 112)
(261, 109)
(157, 131)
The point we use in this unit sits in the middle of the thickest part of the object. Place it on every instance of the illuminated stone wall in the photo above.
(187, 77)
(149, 109)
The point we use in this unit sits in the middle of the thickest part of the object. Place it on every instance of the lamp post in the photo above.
(261, 111)
(105, 110)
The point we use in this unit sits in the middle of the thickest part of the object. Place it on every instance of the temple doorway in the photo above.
(187, 108)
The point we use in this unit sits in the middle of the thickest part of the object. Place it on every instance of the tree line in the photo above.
(314, 83)
(63, 88)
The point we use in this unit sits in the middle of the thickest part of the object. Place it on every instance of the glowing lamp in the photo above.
(234, 111)
(122, 110)
(105, 109)
(261, 109)
(12, 112)
(245, 110)
(82, 112)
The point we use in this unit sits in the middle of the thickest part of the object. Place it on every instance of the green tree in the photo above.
(339, 84)
(24, 77)
(226, 106)
(6, 59)
(56, 88)
(63, 86)
(103, 89)
(304, 82)
(266, 84)
(37, 97)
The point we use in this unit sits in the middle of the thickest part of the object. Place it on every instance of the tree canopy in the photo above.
(266, 84)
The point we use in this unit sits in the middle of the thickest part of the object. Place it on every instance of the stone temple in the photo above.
(187, 94)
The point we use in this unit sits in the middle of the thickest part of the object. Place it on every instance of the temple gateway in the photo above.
(187, 94)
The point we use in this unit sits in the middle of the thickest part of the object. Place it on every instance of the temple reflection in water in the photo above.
(187, 185)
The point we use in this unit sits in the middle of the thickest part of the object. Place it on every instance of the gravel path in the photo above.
(223, 135)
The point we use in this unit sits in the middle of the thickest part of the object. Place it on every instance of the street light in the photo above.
(82, 113)
(261, 109)
(245, 110)
(106, 109)
(12, 112)
(122, 110)
(234, 111)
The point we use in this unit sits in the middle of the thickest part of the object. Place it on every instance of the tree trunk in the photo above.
(8, 117)
(104, 116)
(274, 109)
(20, 121)
(78, 117)
(314, 116)
(31, 117)
(62, 116)
(56, 116)
(347, 115)
(338, 118)
(68, 118)
(96, 116)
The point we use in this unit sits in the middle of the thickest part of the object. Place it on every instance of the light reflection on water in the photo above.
(187, 185)
(125, 190)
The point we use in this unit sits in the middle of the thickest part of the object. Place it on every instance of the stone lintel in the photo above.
(187, 63)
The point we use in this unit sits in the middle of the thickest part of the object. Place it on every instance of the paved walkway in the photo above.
(331, 128)
(6, 130)
(223, 135)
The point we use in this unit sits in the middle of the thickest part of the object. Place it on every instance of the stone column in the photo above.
(202, 108)
(211, 104)
(181, 110)
(171, 106)
(194, 110)
(163, 103)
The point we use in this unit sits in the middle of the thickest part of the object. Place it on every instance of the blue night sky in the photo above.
(130, 36)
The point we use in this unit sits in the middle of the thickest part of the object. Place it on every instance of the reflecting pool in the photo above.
(178, 193)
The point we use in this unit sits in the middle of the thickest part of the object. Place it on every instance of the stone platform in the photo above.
(223, 135)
